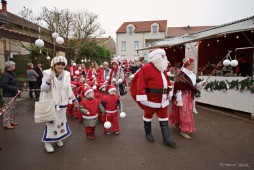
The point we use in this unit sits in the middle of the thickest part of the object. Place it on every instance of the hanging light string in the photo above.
(7, 105)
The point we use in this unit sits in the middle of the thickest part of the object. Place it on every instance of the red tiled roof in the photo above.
(178, 31)
(143, 26)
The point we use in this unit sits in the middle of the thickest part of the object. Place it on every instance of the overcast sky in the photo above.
(112, 13)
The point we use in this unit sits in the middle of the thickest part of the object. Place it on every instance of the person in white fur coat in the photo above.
(150, 88)
(56, 85)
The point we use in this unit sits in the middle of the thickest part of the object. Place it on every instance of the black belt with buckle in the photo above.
(158, 91)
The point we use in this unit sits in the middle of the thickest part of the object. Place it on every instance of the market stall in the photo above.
(210, 48)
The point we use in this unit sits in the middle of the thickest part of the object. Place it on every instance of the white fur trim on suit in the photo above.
(163, 119)
(90, 90)
(157, 52)
(120, 81)
(146, 119)
(111, 89)
(141, 97)
(90, 117)
(155, 105)
(164, 99)
(111, 111)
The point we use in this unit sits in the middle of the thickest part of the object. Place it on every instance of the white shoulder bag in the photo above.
(45, 108)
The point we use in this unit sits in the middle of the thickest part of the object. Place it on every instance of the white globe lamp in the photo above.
(39, 43)
(59, 40)
(226, 62)
(234, 63)
(54, 35)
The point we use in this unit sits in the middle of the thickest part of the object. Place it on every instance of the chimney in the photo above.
(4, 6)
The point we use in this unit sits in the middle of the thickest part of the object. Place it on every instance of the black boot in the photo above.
(166, 134)
(148, 130)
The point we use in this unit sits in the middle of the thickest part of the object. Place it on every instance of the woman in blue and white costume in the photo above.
(56, 85)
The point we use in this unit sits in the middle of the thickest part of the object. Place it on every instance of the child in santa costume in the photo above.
(150, 87)
(102, 91)
(185, 88)
(90, 108)
(111, 103)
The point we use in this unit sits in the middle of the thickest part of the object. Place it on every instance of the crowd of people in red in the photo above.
(97, 90)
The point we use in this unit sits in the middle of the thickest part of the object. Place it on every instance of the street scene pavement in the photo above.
(220, 142)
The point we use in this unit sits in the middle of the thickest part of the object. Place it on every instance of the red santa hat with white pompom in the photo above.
(156, 52)
(111, 88)
(87, 90)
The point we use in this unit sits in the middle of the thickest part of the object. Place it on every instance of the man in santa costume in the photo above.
(150, 88)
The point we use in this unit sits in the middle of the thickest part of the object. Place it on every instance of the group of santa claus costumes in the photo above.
(99, 85)
(101, 74)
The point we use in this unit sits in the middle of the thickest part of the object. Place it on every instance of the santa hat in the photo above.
(90, 83)
(74, 83)
(111, 88)
(58, 59)
(101, 85)
(114, 61)
(75, 77)
(87, 90)
(187, 61)
(156, 52)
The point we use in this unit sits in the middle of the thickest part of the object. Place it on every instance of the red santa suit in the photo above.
(70, 107)
(92, 73)
(111, 103)
(153, 92)
(72, 70)
(90, 108)
(150, 88)
(103, 75)
(102, 117)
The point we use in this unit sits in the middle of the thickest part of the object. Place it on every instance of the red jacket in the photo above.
(91, 105)
(111, 102)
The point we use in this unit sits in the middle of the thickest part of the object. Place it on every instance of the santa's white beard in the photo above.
(159, 62)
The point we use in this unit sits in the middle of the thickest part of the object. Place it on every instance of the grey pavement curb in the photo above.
(250, 119)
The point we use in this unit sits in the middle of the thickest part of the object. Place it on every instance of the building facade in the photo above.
(132, 36)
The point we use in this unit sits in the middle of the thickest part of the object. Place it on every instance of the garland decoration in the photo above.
(244, 85)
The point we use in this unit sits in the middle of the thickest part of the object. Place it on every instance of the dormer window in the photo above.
(130, 29)
(154, 28)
